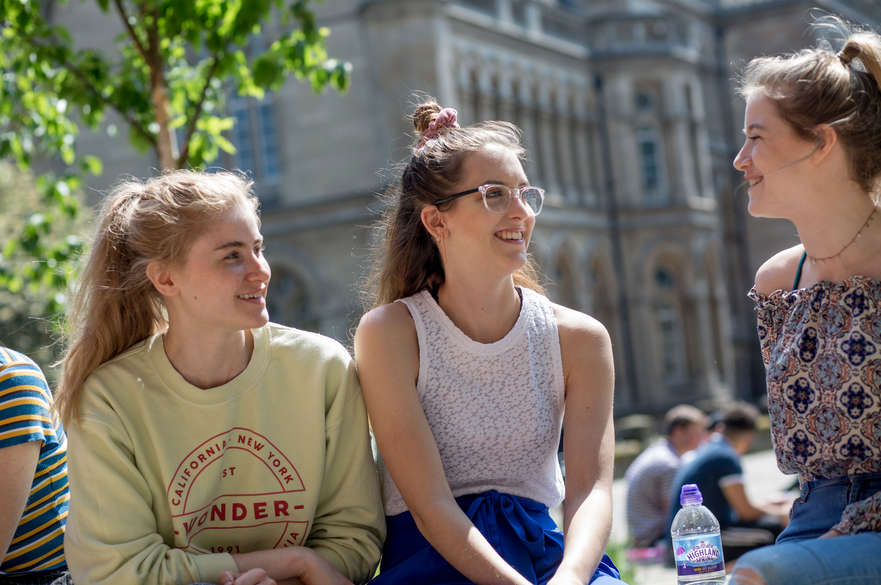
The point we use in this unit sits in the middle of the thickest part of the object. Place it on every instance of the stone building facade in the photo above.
(630, 122)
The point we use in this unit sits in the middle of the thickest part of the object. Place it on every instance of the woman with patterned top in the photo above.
(813, 155)
(468, 373)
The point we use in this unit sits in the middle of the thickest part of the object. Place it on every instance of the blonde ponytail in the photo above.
(867, 48)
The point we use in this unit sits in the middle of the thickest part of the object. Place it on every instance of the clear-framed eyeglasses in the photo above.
(497, 198)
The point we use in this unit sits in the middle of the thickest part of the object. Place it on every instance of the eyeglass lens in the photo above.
(498, 198)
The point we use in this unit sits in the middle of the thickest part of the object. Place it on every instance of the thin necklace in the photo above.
(850, 243)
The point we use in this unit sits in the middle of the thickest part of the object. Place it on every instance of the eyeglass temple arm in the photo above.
(454, 195)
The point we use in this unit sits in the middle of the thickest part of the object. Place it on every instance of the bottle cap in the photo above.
(690, 494)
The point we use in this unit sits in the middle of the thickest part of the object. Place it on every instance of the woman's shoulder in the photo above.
(307, 345)
(384, 320)
(129, 362)
(386, 338)
(577, 326)
(778, 272)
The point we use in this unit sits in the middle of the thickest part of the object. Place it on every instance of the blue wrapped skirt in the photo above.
(520, 529)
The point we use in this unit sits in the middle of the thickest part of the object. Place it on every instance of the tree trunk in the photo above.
(166, 143)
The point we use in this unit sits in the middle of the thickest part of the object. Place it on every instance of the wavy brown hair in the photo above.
(818, 86)
(407, 260)
(115, 305)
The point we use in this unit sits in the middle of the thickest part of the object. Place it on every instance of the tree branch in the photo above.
(131, 31)
(165, 144)
(191, 124)
(90, 87)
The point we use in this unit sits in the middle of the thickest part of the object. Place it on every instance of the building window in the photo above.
(268, 142)
(664, 279)
(645, 102)
(672, 343)
(255, 137)
(243, 158)
(669, 322)
(649, 152)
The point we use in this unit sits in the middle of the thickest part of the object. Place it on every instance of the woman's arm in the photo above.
(349, 524)
(296, 565)
(18, 463)
(588, 444)
(387, 354)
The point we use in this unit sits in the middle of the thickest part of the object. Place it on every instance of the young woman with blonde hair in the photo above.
(207, 444)
(813, 156)
(469, 372)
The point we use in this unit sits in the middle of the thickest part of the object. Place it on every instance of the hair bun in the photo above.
(851, 49)
(424, 114)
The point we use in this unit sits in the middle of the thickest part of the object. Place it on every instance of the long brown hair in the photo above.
(407, 260)
(819, 86)
(115, 305)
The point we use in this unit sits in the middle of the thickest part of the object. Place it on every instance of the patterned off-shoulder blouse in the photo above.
(822, 351)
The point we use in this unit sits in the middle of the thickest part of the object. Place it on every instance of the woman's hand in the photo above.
(252, 577)
(296, 565)
(318, 571)
(563, 577)
(831, 533)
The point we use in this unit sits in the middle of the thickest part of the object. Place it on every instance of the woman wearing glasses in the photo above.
(468, 373)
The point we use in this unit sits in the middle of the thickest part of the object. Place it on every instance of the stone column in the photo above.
(700, 138)
(582, 155)
(503, 9)
(564, 150)
(526, 120)
(507, 99)
(485, 98)
(464, 93)
(546, 142)
(705, 373)
(682, 186)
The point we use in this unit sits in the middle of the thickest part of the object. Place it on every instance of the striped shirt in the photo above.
(26, 415)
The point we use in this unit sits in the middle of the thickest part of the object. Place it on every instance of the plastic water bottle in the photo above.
(697, 545)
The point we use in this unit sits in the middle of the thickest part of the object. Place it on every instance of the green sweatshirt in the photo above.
(167, 479)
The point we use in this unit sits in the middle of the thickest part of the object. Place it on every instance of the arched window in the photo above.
(288, 300)
(668, 318)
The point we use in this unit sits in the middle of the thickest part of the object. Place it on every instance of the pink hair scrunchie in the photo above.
(446, 118)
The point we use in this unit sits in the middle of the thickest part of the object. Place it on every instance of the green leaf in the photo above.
(268, 72)
(92, 164)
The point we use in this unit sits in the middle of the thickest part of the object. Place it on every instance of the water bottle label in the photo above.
(698, 555)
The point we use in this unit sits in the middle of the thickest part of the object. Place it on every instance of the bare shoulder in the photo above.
(386, 335)
(392, 317)
(578, 329)
(778, 271)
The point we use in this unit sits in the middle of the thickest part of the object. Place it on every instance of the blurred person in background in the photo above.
(716, 469)
(650, 476)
